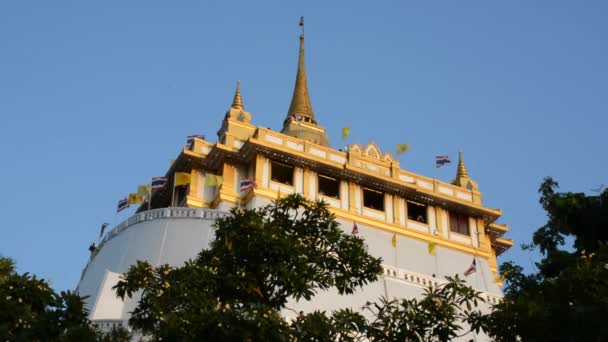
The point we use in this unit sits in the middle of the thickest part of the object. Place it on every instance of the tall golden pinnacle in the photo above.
(237, 103)
(300, 102)
(462, 170)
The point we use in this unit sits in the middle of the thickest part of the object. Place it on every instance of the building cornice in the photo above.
(342, 168)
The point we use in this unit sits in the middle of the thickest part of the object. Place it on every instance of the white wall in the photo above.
(160, 241)
(175, 240)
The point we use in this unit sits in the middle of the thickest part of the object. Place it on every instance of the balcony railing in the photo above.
(164, 213)
(157, 214)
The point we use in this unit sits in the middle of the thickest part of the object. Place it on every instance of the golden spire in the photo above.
(462, 175)
(237, 103)
(300, 102)
(462, 170)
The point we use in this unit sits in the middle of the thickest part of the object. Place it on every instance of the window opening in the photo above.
(281, 173)
(181, 194)
(416, 212)
(373, 199)
(329, 187)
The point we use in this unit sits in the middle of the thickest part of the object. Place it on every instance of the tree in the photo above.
(31, 311)
(437, 316)
(567, 299)
(238, 289)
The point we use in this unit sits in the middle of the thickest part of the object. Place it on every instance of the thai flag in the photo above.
(123, 204)
(247, 184)
(103, 228)
(441, 160)
(159, 182)
(472, 269)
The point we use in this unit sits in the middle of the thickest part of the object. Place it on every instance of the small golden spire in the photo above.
(462, 170)
(300, 102)
(237, 103)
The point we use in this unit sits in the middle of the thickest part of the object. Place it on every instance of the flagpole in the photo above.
(150, 198)
(396, 255)
(483, 278)
(173, 191)
(241, 197)
(241, 194)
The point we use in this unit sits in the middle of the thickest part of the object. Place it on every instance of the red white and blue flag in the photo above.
(247, 183)
(123, 204)
(472, 269)
(158, 182)
(103, 228)
(441, 160)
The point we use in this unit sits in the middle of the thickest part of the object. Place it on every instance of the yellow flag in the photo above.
(172, 162)
(345, 132)
(135, 199)
(402, 148)
(143, 190)
(394, 240)
(214, 180)
(432, 248)
(499, 278)
(182, 178)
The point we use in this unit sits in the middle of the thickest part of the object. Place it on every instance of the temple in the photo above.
(423, 228)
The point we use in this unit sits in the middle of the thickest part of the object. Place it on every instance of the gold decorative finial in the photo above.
(462, 175)
(462, 170)
(237, 103)
(301, 106)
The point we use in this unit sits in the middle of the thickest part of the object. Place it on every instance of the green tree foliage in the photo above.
(438, 316)
(31, 311)
(259, 259)
(116, 334)
(567, 299)
(237, 289)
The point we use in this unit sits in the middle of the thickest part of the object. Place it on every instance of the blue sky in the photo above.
(97, 97)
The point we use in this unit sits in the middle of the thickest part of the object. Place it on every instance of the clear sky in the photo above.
(96, 97)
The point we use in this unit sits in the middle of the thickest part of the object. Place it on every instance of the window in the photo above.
(281, 173)
(329, 187)
(459, 224)
(373, 199)
(181, 195)
(416, 212)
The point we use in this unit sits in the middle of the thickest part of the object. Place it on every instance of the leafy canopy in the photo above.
(260, 258)
(31, 311)
(238, 289)
(567, 299)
